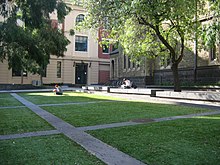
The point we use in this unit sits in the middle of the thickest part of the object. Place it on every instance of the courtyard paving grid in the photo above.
(101, 150)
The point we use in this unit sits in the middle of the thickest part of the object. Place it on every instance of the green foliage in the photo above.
(145, 26)
(28, 39)
(148, 28)
(211, 31)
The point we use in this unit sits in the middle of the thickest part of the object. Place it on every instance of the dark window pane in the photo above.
(105, 49)
(18, 73)
(79, 18)
(58, 69)
(81, 43)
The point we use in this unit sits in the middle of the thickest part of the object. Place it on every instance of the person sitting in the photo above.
(126, 84)
(58, 90)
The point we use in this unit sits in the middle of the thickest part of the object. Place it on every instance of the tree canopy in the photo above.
(149, 27)
(27, 36)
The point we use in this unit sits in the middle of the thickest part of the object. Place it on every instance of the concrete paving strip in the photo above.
(104, 126)
(101, 150)
(29, 134)
(78, 103)
(12, 107)
(122, 124)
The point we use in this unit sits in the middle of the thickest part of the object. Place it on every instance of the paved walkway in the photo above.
(101, 150)
(106, 153)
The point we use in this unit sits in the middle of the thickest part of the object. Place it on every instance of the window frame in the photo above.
(16, 73)
(77, 38)
(212, 53)
(80, 18)
(59, 69)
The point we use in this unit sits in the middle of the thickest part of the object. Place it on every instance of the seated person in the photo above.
(58, 90)
(126, 84)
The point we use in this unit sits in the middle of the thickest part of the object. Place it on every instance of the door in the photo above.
(81, 74)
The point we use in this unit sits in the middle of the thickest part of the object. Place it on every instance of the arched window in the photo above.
(79, 18)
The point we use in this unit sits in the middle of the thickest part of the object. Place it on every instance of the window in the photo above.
(115, 46)
(58, 69)
(44, 73)
(124, 62)
(79, 18)
(18, 73)
(212, 53)
(133, 64)
(81, 43)
(106, 23)
(78, 2)
(129, 62)
(105, 48)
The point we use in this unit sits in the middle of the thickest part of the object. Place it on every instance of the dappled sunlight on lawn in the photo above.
(67, 97)
(208, 117)
(71, 94)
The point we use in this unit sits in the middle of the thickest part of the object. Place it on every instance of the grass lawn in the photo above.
(21, 120)
(7, 100)
(111, 112)
(67, 97)
(184, 141)
(51, 150)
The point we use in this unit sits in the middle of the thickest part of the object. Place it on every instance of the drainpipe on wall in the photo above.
(195, 46)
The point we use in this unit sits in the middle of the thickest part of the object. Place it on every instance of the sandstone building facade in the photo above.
(83, 63)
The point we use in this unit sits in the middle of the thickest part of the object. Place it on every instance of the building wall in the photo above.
(104, 64)
(151, 71)
(71, 57)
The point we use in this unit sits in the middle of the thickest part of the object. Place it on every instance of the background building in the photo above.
(83, 63)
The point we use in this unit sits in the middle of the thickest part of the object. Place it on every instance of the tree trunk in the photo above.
(22, 77)
(41, 79)
(176, 81)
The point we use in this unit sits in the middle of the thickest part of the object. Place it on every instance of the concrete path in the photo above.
(29, 134)
(101, 150)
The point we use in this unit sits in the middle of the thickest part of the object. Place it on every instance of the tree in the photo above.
(147, 27)
(27, 37)
(211, 34)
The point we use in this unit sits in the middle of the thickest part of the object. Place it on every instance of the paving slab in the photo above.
(29, 134)
(105, 126)
(101, 150)
(13, 107)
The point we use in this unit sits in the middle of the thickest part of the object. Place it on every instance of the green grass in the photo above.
(111, 112)
(51, 150)
(21, 120)
(185, 141)
(67, 97)
(7, 100)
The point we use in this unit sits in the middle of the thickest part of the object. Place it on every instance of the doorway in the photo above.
(81, 73)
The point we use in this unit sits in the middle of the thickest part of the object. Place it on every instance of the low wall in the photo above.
(205, 75)
(18, 86)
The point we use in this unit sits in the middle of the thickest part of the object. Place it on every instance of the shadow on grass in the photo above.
(183, 141)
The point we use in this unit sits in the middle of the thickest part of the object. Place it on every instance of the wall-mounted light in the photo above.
(74, 64)
(90, 64)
